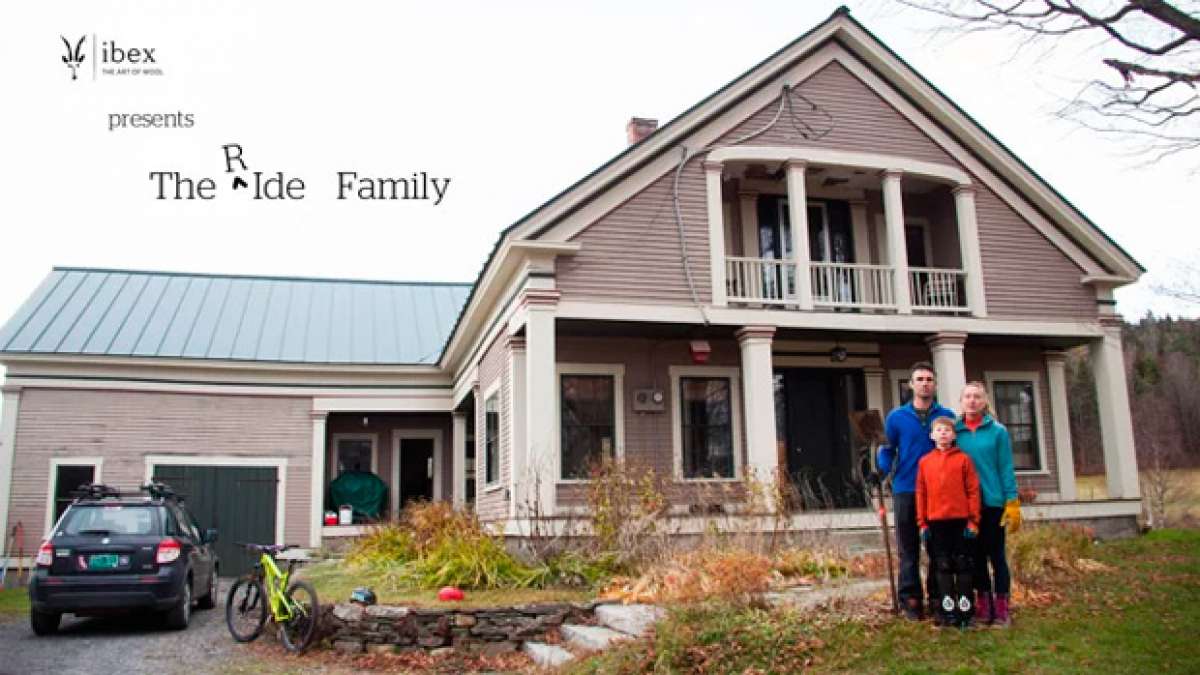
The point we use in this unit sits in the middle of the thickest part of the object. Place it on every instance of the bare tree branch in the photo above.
(1152, 49)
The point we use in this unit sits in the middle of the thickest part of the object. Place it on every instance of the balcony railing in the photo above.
(852, 285)
(768, 281)
(938, 290)
(760, 280)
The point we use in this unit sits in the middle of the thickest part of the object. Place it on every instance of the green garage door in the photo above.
(238, 501)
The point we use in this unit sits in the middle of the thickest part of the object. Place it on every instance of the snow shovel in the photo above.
(868, 426)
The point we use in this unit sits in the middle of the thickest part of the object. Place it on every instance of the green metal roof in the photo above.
(207, 316)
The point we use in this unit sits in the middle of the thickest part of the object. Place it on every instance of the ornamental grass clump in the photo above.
(433, 545)
(1040, 553)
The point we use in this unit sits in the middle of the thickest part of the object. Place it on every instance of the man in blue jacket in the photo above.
(907, 429)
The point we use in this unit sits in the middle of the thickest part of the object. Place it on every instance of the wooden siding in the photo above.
(124, 427)
(648, 441)
(632, 253)
(490, 503)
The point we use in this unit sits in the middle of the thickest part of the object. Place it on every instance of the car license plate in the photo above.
(103, 561)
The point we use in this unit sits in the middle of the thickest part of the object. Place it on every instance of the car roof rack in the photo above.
(95, 491)
(159, 490)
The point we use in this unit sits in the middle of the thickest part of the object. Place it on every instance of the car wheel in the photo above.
(44, 623)
(209, 599)
(179, 615)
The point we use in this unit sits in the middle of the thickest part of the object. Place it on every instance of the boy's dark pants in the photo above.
(991, 549)
(952, 560)
(908, 548)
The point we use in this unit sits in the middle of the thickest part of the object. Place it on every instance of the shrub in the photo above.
(624, 506)
(1038, 553)
(732, 574)
(386, 543)
(802, 562)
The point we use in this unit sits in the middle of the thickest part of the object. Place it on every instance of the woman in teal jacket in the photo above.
(987, 442)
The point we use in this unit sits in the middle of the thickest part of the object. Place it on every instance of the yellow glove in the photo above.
(1011, 520)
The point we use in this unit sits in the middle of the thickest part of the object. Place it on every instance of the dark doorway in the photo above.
(416, 470)
(68, 478)
(238, 501)
(813, 407)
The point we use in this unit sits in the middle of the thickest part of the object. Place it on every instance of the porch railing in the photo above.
(938, 290)
(760, 280)
(853, 285)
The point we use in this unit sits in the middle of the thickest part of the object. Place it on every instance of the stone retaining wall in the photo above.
(489, 631)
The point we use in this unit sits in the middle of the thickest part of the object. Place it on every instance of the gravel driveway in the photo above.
(122, 645)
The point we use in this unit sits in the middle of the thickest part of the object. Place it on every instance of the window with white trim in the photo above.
(67, 479)
(353, 452)
(587, 422)
(491, 439)
(706, 427)
(1015, 403)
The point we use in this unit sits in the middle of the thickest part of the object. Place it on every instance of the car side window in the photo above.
(185, 524)
(193, 523)
(170, 523)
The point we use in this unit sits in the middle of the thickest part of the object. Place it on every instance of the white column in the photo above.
(748, 210)
(1056, 362)
(519, 475)
(458, 463)
(1116, 425)
(316, 516)
(947, 351)
(893, 213)
(798, 217)
(862, 244)
(874, 377)
(541, 391)
(758, 396)
(968, 243)
(716, 231)
(8, 448)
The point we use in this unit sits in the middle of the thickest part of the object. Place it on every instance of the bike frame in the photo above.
(276, 584)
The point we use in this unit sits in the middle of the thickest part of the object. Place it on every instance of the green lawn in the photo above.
(1139, 618)
(14, 602)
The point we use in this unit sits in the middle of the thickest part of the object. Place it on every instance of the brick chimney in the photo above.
(639, 128)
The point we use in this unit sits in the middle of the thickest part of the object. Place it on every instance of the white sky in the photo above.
(513, 101)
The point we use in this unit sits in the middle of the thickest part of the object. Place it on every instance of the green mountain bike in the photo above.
(267, 592)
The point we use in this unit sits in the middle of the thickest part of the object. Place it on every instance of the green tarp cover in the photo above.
(362, 490)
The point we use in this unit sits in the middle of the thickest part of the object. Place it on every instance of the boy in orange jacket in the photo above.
(948, 515)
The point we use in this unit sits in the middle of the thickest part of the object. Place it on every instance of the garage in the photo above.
(241, 502)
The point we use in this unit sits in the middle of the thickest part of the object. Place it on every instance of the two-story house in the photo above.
(713, 303)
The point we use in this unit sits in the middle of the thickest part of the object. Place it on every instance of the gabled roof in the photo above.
(201, 316)
(840, 28)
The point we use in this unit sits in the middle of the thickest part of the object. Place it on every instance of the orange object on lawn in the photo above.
(450, 593)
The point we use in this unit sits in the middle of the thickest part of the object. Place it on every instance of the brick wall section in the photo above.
(124, 427)
(632, 253)
(979, 360)
(490, 504)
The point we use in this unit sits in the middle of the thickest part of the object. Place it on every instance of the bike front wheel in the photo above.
(246, 609)
(300, 628)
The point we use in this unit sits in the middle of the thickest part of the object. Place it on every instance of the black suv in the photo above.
(110, 553)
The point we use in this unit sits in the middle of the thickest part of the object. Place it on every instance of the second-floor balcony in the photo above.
(826, 230)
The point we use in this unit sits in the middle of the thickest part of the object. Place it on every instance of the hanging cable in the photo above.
(807, 133)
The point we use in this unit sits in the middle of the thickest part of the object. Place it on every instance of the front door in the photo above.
(416, 470)
(814, 405)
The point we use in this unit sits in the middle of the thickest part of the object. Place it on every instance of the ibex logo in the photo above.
(74, 57)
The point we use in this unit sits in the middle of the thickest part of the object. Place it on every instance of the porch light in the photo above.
(838, 354)
(366, 420)
(700, 351)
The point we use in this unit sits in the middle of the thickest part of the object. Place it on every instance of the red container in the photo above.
(450, 593)
(331, 518)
